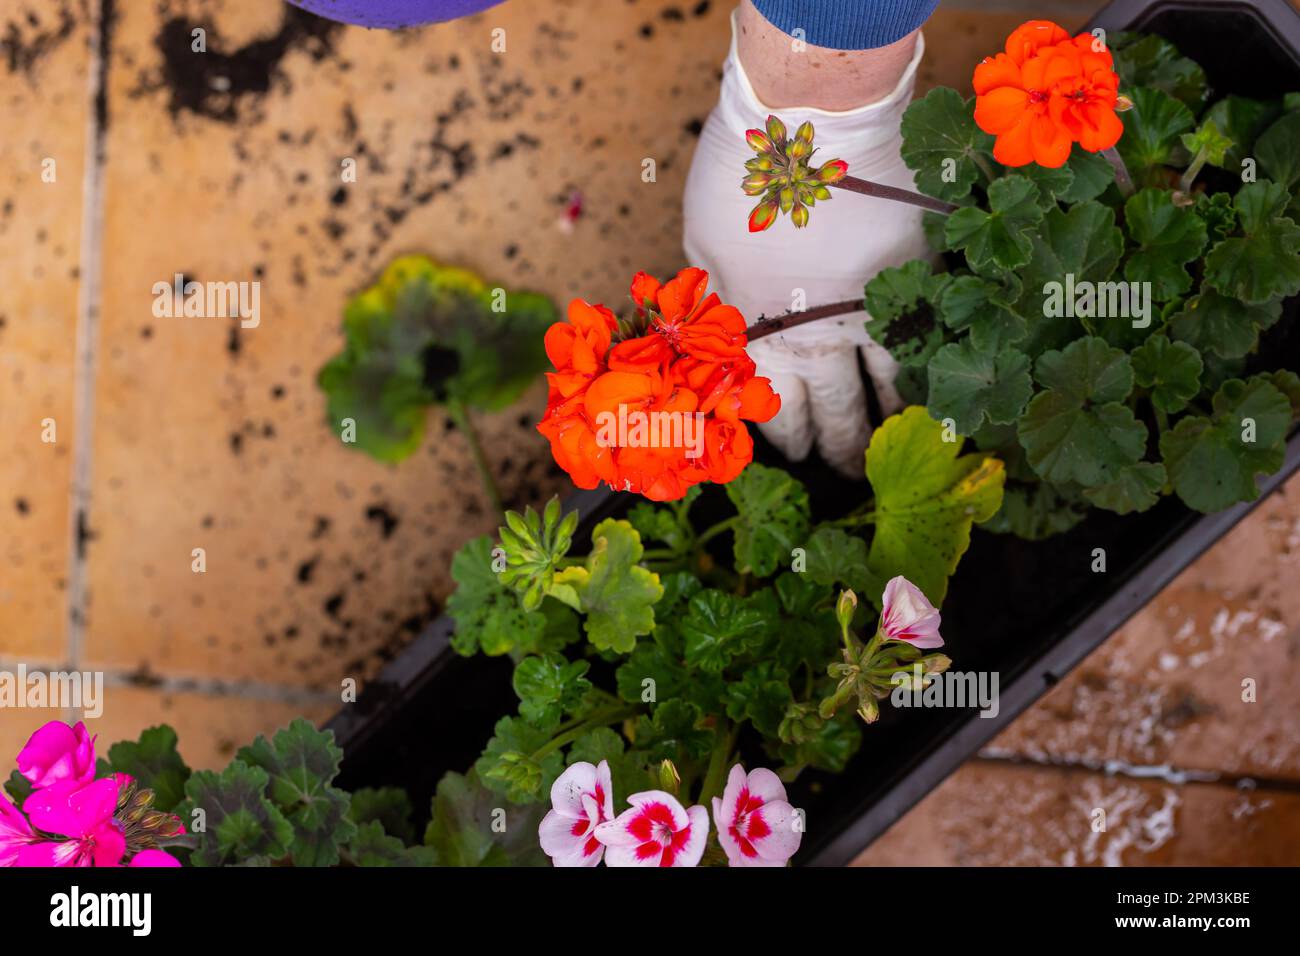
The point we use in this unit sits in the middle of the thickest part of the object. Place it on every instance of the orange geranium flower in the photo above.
(1045, 93)
(663, 408)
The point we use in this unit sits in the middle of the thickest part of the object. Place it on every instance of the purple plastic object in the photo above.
(392, 14)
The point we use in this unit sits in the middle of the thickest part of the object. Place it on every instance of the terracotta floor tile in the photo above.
(44, 101)
(989, 814)
(210, 727)
(1167, 688)
(210, 436)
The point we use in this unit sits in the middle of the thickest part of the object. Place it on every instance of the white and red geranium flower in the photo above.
(656, 831)
(908, 615)
(581, 799)
(756, 824)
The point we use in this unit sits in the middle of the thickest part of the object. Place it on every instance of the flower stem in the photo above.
(1190, 174)
(866, 187)
(716, 530)
(780, 323)
(460, 416)
(721, 756)
(1122, 178)
(602, 718)
(853, 520)
(983, 166)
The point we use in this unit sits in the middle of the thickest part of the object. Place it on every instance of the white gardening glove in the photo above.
(813, 367)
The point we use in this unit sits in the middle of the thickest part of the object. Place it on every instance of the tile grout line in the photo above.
(88, 305)
(206, 686)
(1164, 774)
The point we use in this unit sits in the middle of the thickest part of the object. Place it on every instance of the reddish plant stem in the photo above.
(788, 321)
(1122, 178)
(867, 188)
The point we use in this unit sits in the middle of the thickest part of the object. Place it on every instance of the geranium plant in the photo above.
(274, 804)
(653, 669)
(1111, 241)
(427, 335)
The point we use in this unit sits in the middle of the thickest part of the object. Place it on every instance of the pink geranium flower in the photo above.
(907, 615)
(581, 799)
(15, 832)
(756, 824)
(57, 752)
(154, 858)
(82, 814)
(656, 831)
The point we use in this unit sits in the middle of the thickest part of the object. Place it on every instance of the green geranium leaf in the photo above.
(760, 696)
(1084, 243)
(239, 822)
(800, 594)
(18, 787)
(900, 301)
(1088, 371)
(301, 762)
(975, 304)
(1288, 383)
(1218, 214)
(467, 830)
(155, 763)
(508, 767)
(651, 672)
(772, 519)
(1213, 461)
(616, 593)
(932, 224)
(967, 385)
(670, 524)
(1050, 182)
(719, 627)
(1265, 263)
(1208, 138)
(1134, 488)
(1066, 441)
(487, 614)
(535, 545)
(927, 496)
(1077, 430)
(834, 557)
(390, 807)
(943, 146)
(1166, 236)
(1155, 62)
(1241, 119)
(673, 732)
(1151, 133)
(373, 847)
(550, 686)
(1037, 510)
(1216, 323)
(1092, 174)
(1000, 237)
(426, 333)
(829, 747)
(1172, 370)
(1278, 149)
(596, 745)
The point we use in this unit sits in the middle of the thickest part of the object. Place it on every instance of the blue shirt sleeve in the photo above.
(847, 24)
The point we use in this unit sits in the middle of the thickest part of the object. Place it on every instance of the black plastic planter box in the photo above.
(1029, 611)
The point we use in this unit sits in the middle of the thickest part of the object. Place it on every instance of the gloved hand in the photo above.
(813, 367)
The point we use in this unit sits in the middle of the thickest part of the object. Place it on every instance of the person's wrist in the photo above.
(785, 75)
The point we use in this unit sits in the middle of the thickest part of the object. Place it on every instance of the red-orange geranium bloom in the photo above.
(1046, 92)
(686, 380)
